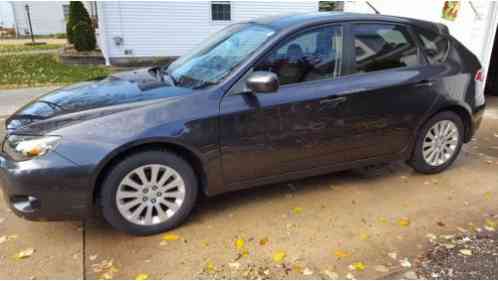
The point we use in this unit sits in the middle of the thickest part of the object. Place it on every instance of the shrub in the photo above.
(77, 14)
(84, 37)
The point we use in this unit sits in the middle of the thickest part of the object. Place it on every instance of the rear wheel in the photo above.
(148, 193)
(438, 144)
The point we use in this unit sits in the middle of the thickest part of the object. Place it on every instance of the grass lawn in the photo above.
(11, 48)
(36, 70)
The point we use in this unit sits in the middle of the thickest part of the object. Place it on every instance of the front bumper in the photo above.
(46, 188)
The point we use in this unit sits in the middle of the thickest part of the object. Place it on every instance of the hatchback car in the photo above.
(260, 102)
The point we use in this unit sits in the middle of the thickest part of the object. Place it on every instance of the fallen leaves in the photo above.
(404, 222)
(24, 254)
(170, 237)
(405, 263)
(330, 274)
(364, 236)
(263, 241)
(142, 276)
(239, 244)
(342, 254)
(279, 256)
(6, 238)
(357, 266)
(106, 269)
(297, 210)
(466, 252)
(210, 267)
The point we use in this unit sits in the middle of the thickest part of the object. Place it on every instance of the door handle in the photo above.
(425, 83)
(333, 101)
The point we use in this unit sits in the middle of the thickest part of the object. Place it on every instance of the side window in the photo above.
(383, 46)
(436, 47)
(314, 55)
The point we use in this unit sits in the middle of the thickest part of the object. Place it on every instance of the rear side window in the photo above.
(436, 47)
(383, 46)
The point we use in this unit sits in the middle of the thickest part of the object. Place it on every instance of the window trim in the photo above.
(220, 3)
(422, 61)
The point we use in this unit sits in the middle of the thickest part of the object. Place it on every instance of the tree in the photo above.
(84, 37)
(77, 14)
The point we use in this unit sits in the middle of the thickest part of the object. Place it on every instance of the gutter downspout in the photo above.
(104, 46)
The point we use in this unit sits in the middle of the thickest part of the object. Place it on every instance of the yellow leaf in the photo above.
(25, 254)
(404, 222)
(490, 223)
(210, 267)
(364, 236)
(342, 254)
(358, 266)
(263, 241)
(239, 244)
(383, 220)
(487, 195)
(142, 276)
(170, 237)
(297, 210)
(279, 256)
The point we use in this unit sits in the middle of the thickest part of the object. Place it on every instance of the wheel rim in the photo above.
(150, 194)
(440, 143)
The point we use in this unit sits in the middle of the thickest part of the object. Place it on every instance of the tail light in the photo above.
(480, 75)
(479, 88)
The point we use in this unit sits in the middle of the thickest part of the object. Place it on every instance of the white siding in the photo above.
(467, 28)
(46, 17)
(151, 29)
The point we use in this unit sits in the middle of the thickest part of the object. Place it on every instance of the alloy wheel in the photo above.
(440, 143)
(150, 194)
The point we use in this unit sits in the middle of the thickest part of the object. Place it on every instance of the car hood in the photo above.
(118, 92)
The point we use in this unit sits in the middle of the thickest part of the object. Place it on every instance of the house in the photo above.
(47, 17)
(143, 30)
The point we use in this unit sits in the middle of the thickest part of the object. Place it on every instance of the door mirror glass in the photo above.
(263, 82)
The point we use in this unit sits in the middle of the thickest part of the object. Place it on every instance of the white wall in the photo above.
(47, 17)
(467, 28)
(172, 28)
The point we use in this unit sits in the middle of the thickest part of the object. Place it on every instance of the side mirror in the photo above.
(263, 82)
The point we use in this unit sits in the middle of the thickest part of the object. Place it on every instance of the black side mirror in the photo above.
(263, 82)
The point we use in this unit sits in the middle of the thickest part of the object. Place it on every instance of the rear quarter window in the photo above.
(435, 46)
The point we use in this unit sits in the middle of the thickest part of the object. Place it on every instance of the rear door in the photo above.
(391, 89)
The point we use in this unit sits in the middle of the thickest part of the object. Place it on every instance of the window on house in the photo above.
(383, 46)
(65, 11)
(221, 11)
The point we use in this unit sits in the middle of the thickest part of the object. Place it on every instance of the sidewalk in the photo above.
(11, 100)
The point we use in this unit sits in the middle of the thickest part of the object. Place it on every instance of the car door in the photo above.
(300, 126)
(391, 90)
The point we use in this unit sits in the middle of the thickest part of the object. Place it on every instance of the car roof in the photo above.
(297, 20)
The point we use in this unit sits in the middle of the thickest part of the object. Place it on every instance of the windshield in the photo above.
(218, 56)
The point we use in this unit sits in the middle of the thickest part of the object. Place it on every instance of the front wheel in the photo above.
(438, 144)
(148, 193)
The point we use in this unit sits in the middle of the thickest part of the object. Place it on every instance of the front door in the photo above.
(298, 127)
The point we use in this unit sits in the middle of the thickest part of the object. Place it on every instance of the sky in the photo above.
(6, 17)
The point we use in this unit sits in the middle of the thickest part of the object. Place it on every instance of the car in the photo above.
(260, 102)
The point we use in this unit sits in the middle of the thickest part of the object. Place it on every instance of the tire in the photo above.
(423, 164)
(127, 173)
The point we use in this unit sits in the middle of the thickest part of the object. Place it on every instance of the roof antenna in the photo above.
(373, 8)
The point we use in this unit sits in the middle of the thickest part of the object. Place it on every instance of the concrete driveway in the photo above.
(371, 219)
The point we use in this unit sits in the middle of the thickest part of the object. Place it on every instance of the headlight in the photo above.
(21, 148)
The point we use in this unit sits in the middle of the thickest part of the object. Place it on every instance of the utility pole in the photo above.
(30, 26)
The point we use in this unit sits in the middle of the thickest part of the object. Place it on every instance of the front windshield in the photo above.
(218, 56)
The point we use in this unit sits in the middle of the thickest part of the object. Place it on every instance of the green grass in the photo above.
(23, 48)
(34, 70)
